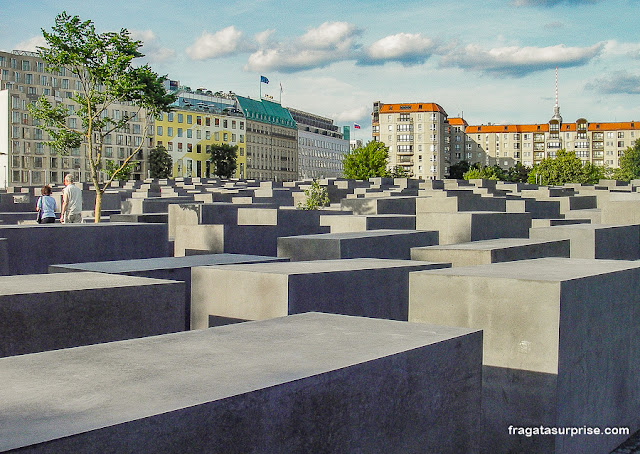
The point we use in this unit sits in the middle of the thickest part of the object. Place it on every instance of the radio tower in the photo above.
(556, 108)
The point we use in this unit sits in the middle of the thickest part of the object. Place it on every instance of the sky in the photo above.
(492, 61)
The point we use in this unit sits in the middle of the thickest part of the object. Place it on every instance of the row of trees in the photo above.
(370, 161)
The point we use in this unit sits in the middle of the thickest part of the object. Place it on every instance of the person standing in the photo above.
(46, 206)
(71, 210)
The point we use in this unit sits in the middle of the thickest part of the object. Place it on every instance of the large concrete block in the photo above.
(362, 223)
(4, 257)
(468, 226)
(491, 251)
(451, 202)
(303, 384)
(172, 268)
(363, 287)
(382, 205)
(33, 248)
(561, 345)
(595, 241)
(621, 212)
(384, 244)
(49, 311)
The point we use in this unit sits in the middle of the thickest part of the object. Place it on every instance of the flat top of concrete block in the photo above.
(25, 284)
(482, 245)
(59, 393)
(544, 269)
(84, 225)
(161, 263)
(326, 266)
(586, 226)
(365, 234)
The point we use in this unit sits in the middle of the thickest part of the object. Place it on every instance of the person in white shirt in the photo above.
(71, 210)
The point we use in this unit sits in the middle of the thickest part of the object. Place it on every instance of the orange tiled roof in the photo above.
(457, 121)
(412, 107)
(614, 126)
(506, 128)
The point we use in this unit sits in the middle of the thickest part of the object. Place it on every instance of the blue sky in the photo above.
(493, 60)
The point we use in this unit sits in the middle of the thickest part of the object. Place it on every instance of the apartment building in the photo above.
(200, 119)
(418, 135)
(271, 140)
(24, 157)
(600, 143)
(321, 146)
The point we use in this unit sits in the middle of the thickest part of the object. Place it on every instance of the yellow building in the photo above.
(189, 131)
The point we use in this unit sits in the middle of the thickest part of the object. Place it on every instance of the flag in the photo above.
(264, 80)
(356, 126)
(280, 87)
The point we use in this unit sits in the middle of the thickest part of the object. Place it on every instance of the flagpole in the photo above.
(260, 89)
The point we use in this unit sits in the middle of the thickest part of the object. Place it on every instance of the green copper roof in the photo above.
(266, 112)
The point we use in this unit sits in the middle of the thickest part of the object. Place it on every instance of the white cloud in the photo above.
(616, 48)
(151, 48)
(263, 37)
(405, 48)
(620, 82)
(32, 44)
(330, 35)
(519, 61)
(352, 114)
(218, 44)
(318, 47)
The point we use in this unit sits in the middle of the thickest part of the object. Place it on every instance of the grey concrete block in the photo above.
(384, 244)
(468, 226)
(595, 241)
(539, 209)
(561, 345)
(152, 218)
(172, 268)
(363, 287)
(49, 311)
(593, 214)
(382, 205)
(551, 222)
(452, 202)
(303, 384)
(72, 243)
(4, 257)
(621, 212)
(491, 251)
(151, 204)
(362, 223)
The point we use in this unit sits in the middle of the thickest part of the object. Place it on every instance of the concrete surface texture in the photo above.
(561, 344)
(307, 383)
(51, 311)
(384, 244)
(491, 251)
(363, 287)
(589, 241)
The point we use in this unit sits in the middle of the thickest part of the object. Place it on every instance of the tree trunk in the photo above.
(98, 206)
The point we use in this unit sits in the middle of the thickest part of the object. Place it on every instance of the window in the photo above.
(179, 131)
(189, 133)
(180, 118)
(224, 124)
(216, 136)
(170, 131)
(217, 122)
(170, 116)
(620, 135)
(189, 119)
(207, 121)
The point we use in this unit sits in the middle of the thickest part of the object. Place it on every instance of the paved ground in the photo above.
(632, 445)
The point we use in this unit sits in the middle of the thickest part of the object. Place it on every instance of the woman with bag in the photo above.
(46, 207)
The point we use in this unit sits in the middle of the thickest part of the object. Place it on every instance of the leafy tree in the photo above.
(485, 172)
(160, 163)
(458, 169)
(519, 173)
(566, 167)
(398, 172)
(223, 157)
(629, 164)
(102, 62)
(119, 172)
(316, 197)
(366, 162)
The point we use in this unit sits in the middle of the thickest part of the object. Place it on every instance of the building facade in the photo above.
(24, 157)
(198, 121)
(418, 136)
(271, 140)
(321, 146)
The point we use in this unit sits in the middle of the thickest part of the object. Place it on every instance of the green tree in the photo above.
(223, 157)
(160, 163)
(566, 167)
(102, 62)
(118, 172)
(315, 197)
(629, 164)
(458, 169)
(485, 172)
(519, 173)
(366, 162)
(398, 172)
